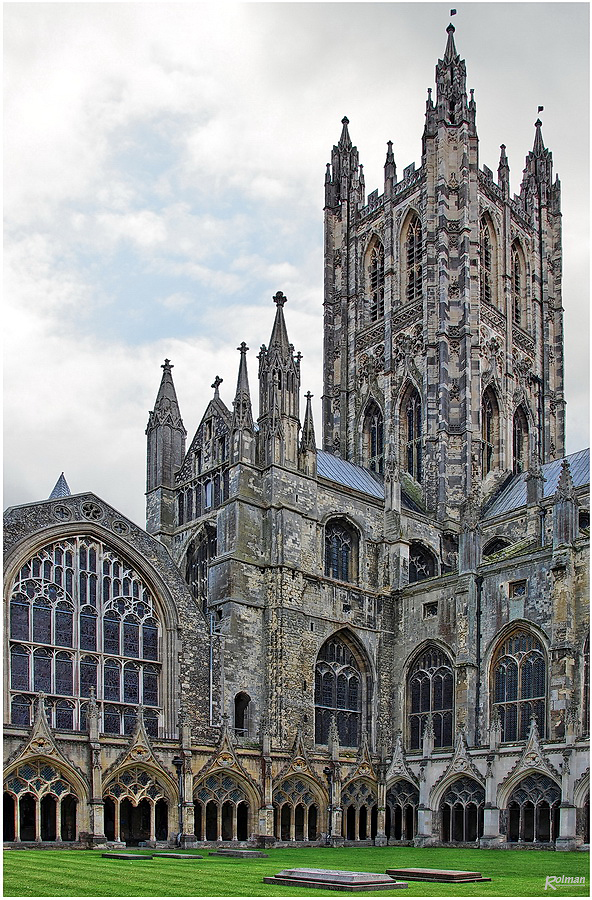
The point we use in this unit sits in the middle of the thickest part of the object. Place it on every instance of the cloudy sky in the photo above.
(164, 169)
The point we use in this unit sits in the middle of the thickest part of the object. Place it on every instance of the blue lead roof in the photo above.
(339, 470)
(514, 494)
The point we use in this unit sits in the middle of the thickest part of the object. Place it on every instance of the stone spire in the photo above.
(344, 180)
(390, 170)
(503, 172)
(538, 169)
(166, 436)
(243, 430)
(565, 509)
(308, 445)
(61, 489)
(452, 107)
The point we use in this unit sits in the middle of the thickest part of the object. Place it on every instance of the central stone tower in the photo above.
(443, 334)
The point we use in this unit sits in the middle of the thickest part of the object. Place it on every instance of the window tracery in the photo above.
(519, 685)
(520, 442)
(518, 283)
(295, 809)
(79, 594)
(222, 809)
(422, 563)
(376, 282)
(487, 262)
(489, 432)
(461, 810)
(360, 811)
(338, 692)
(373, 439)
(341, 550)
(413, 260)
(200, 554)
(41, 804)
(533, 810)
(402, 800)
(430, 694)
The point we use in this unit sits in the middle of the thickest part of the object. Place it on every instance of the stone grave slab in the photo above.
(450, 876)
(335, 880)
(242, 854)
(178, 855)
(125, 856)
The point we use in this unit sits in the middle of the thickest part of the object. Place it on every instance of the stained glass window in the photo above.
(337, 693)
(19, 618)
(42, 670)
(430, 691)
(64, 618)
(64, 677)
(414, 256)
(131, 637)
(112, 677)
(19, 667)
(411, 427)
(519, 685)
(340, 551)
(42, 621)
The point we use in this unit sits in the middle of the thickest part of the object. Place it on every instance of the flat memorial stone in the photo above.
(335, 880)
(242, 854)
(451, 876)
(125, 856)
(179, 855)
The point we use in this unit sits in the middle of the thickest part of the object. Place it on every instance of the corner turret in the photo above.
(243, 430)
(308, 446)
(166, 436)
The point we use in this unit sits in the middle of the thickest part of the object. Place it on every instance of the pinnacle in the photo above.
(345, 140)
(450, 53)
(61, 489)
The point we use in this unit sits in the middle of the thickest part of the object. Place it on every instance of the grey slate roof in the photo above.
(514, 494)
(60, 490)
(347, 474)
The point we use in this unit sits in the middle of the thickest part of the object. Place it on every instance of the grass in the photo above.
(85, 873)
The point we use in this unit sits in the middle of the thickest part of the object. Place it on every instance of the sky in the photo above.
(164, 171)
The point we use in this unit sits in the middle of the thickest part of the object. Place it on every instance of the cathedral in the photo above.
(383, 641)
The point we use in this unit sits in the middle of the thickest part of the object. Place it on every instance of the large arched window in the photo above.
(341, 550)
(461, 811)
(338, 692)
(373, 438)
(533, 810)
(520, 448)
(413, 260)
(518, 286)
(411, 433)
(487, 267)
(519, 685)
(490, 432)
(430, 692)
(422, 562)
(200, 553)
(115, 623)
(376, 282)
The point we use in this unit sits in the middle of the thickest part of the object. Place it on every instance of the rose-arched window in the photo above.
(83, 622)
(430, 698)
(519, 677)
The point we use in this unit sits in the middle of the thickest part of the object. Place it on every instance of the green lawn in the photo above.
(85, 873)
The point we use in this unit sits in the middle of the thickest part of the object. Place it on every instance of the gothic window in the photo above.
(341, 551)
(533, 810)
(487, 269)
(43, 801)
(495, 545)
(360, 811)
(373, 439)
(518, 283)
(199, 556)
(422, 563)
(520, 442)
(242, 702)
(117, 621)
(338, 693)
(461, 812)
(376, 282)
(489, 432)
(519, 686)
(413, 261)
(295, 811)
(402, 800)
(430, 695)
(222, 809)
(411, 433)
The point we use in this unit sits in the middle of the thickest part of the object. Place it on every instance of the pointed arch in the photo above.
(402, 802)
(412, 256)
(201, 550)
(518, 683)
(490, 432)
(342, 542)
(373, 437)
(520, 441)
(531, 808)
(519, 310)
(374, 279)
(225, 806)
(488, 290)
(422, 562)
(430, 695)
(411, 432)
(359, 802)
(343, 686)
(461, 802)
(297, 805)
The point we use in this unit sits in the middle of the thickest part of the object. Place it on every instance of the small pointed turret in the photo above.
(565, 509)
(452, 107)
(166, 436)
(538, 169)
(343, 181)
(503, 172)
(390, 170)
(61, 489)
(279, 386)
(243, 431)
(308, 445)
(538, 147)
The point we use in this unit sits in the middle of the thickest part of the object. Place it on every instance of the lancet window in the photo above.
(430, 698)
(414, 261)
(489, 432)
(519, 686)
(200, 553)
(83, 622)
(520, 441)
(518, 284)
(338, 693)
(295, 811)
(411, 433)
(486, 262)
(341, 550)
(373, 439)
(376, 282)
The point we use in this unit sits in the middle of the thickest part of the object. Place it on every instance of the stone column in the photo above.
(38, 820)
(566, 839)
(381, 840)
(491, 813)
(152, 823)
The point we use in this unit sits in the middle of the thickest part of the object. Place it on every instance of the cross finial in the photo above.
(243, 347)
(167, 365)
(217, 382)
(308, 395)
(280, 299)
